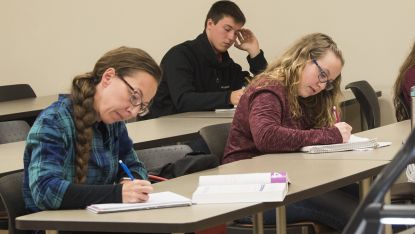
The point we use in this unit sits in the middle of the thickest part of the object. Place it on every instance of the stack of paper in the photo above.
(354, 143)
(156, 200)
(250, 187)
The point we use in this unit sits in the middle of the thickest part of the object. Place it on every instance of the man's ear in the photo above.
(107, 77)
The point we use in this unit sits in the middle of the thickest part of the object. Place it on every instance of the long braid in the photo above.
(83, 91)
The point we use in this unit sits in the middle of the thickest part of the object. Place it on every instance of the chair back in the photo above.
(369, 103)
(215, 137)
(12, 197)
(14, 130)
(16, 91)
(157, 157)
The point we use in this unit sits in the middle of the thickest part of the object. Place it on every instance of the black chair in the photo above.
(16, 91)
(14, 130)
(12, 197)
(215, 137)
(369, 103)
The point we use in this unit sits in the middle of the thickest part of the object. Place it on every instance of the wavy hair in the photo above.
(125, 61)
(287, 70)
(400, 112)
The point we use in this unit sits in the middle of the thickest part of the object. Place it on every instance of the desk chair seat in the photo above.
(13, 131)
(12, 197)
(216, 137)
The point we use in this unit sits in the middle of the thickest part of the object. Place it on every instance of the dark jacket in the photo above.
(194, 79)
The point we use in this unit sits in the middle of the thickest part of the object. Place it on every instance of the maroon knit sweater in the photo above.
(263, 124)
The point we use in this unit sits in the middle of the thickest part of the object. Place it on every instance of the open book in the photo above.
(354, 143)
(156, 200)
(250, 187)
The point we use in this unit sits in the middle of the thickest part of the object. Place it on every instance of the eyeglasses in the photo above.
(323, 77)
(136, 99)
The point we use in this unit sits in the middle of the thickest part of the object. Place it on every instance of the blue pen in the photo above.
(125, 168)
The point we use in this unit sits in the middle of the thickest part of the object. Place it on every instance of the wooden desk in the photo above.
(395, 133)
(347, 99)
(308, 178)
(25, 108)
(165, 131)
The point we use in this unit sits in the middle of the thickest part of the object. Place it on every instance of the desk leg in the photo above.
(281, 220)
(258, 222)
(388, 228)
(364, 187)
(52, 232)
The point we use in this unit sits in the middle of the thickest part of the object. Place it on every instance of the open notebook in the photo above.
(355, 143)
(156, 200)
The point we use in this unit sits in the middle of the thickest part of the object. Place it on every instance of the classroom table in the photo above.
(144, 134)
(165, 131)
(25, 108)
(395, 133)
(319, 177)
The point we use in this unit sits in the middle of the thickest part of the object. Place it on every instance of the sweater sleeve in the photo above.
(45, 171)
(79, 196)
(179, 75)
(258, 63)
(270, 136)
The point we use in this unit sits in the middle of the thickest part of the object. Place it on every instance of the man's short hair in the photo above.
(221, 9)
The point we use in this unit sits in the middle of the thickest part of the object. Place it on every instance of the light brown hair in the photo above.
(287, 70)
(409, 62)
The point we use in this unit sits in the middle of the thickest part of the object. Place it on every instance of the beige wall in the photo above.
(46, 42)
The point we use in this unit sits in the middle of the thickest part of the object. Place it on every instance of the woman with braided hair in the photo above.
(72, 151)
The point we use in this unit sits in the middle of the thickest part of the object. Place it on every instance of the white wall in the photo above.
(46, 42)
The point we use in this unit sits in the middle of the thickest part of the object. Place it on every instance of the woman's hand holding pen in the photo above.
(345, 130)
(136, 190)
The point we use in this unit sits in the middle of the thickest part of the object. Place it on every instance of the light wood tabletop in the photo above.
(308, 178)
(395, 133)
(23, 108)
(164, 131)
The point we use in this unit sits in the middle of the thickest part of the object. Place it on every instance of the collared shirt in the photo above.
(49, 157)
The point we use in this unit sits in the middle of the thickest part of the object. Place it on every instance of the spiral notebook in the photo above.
(355, 143)
(156, 200)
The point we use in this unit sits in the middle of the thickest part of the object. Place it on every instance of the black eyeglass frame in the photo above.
(136, 99)
(323, 77)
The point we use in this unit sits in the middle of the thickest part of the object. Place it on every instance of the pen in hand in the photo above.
(127, 171)
(336, 114)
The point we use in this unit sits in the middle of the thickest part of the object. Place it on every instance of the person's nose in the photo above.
(232, 36)
(321, 85)
(133, 110)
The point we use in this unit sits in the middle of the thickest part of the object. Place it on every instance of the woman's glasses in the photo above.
(323, 77)
(136, 99)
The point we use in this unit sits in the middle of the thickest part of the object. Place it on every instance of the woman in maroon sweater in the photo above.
(402, 88)
(288, 106)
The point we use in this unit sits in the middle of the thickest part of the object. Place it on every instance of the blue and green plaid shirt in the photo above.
(49, 157)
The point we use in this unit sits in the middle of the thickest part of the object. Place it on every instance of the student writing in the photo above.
(72, 152)
(288, 106)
